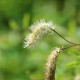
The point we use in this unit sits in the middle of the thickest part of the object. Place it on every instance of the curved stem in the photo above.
(69, 47)
(64, 38)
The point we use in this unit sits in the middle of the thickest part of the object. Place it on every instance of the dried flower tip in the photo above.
(51, 64)
(38, 29)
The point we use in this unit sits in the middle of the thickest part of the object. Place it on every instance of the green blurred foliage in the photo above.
(17, 63)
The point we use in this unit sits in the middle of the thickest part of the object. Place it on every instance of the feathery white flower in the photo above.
(38, 29)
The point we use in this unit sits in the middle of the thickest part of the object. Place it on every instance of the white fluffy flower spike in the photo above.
(38, 29)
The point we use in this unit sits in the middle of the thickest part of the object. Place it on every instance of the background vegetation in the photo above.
(17, 63)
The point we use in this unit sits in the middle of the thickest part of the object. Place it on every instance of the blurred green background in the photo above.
(17, 63)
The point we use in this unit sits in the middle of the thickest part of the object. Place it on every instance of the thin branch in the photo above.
(64, 38)
(69, 47)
